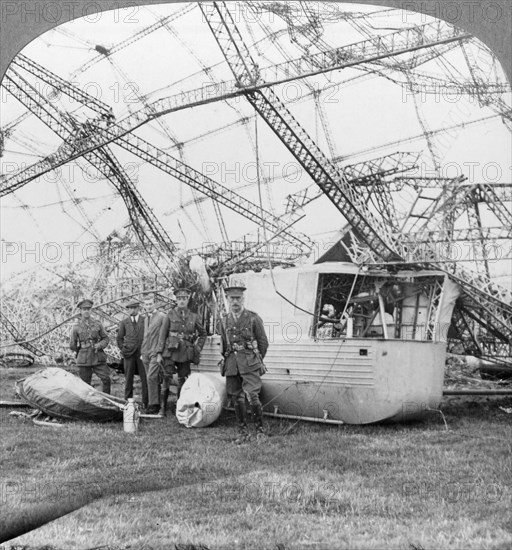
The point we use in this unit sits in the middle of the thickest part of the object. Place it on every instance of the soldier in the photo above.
(154, 321)
(88, 339)
(129, 340)
(244, 347)
(181, 340)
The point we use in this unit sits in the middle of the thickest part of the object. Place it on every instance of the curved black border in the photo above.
(23, 20)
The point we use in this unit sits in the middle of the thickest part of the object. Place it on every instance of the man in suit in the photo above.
(181, 340)
(88, 339)
(129, 340)
(153, 324)
(244, 346)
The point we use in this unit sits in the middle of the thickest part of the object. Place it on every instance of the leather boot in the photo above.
(241, 416)
(164, 395)
(106, 386)
(181, 381)
(257, 412)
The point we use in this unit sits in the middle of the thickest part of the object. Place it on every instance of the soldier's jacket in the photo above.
(182, 336)
(244, 342)
(84, 335)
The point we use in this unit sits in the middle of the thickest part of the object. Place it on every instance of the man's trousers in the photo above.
(153, 375)
(134, 365)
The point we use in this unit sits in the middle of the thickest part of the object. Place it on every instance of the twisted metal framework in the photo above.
(38, 309)
(17, 336)
(102, 159)
(362, 193)
(369, 176)
(331, 60)
(494, 300)
(324, 173)
(161, 160)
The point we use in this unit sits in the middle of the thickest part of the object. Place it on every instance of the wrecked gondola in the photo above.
(377, 353)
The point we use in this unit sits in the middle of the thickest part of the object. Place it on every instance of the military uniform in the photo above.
(84, 335)
(181, 340)
(245, 342)
(245, 345)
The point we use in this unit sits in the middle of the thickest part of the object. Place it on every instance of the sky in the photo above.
(60, 217)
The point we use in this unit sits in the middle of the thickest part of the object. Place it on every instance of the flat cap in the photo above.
(133, 303)
(84, 303)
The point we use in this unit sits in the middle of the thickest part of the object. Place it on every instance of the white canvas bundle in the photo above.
(201, 400)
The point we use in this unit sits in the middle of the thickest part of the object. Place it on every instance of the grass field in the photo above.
(414, 486)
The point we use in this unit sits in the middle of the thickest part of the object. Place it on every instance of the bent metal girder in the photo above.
(102, 159)
(323, 172)
(386, 46)
(224, 195)
(368, 175)
(9, 327)
(167, 163)
(274, 112)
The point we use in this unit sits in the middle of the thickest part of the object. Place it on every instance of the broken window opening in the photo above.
(377, 307)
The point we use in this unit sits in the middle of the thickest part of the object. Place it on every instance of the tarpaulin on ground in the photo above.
(60, 394)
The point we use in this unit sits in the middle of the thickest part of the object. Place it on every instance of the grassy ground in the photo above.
(309, 486)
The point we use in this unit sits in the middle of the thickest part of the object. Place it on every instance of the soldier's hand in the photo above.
(159, 358)
(221, 365)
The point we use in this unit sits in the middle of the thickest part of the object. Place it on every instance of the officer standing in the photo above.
(88, 339)
(181, 340)
(244, 347)
(129, 340)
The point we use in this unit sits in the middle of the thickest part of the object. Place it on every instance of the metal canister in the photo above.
(131, 416)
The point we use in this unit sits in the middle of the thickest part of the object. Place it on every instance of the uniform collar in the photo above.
(236, 317)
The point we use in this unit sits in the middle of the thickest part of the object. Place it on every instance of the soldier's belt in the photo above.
(240, 347)
(85, 346)
(181, 336)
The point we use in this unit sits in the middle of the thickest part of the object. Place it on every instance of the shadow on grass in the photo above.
(21, 521)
